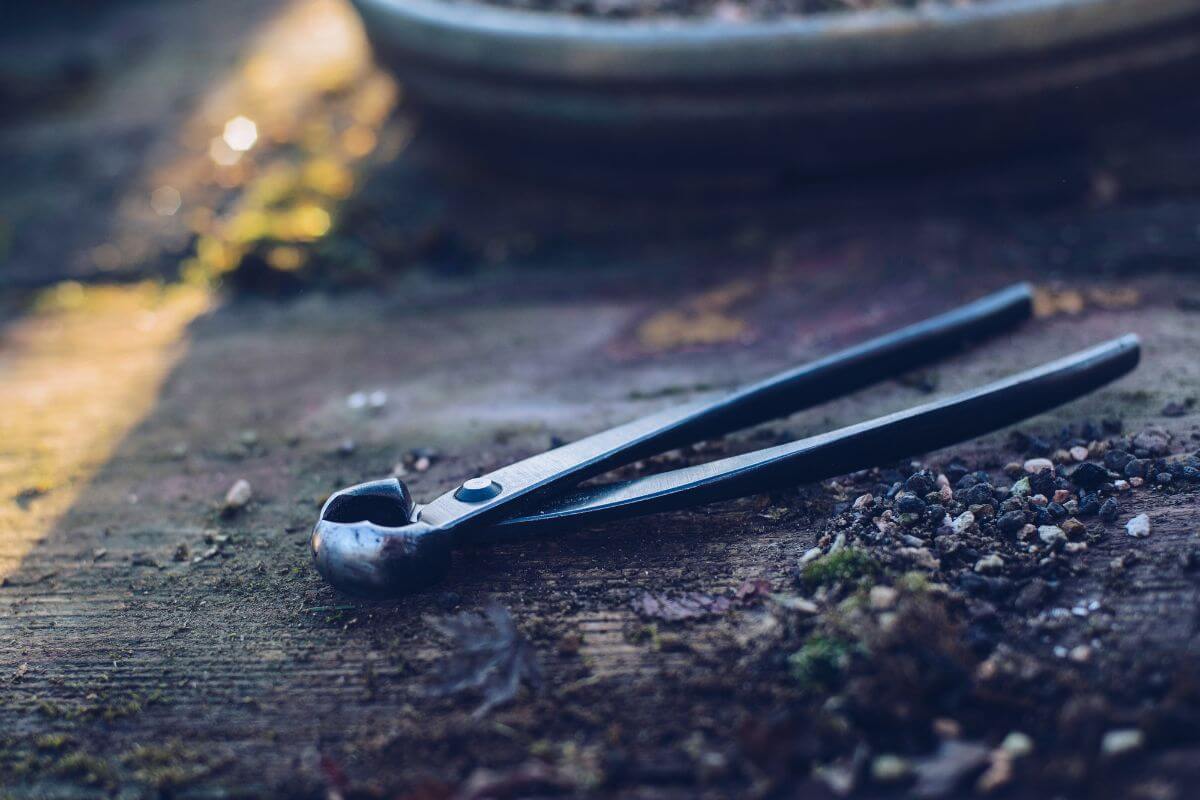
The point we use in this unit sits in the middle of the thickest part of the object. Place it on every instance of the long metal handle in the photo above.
(836, 375)
(916, 430)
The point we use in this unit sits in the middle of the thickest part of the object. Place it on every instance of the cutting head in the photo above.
(368, 542)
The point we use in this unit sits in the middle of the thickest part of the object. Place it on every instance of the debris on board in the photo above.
(489, 655)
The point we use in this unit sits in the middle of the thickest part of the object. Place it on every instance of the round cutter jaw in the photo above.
(368, 542)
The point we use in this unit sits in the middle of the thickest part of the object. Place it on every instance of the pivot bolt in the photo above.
(477, 490)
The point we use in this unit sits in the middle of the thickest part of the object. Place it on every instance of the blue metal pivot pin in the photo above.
(476, 490)
(372, 539)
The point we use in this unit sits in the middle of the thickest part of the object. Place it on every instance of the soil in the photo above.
(724, 10)
(165, 635)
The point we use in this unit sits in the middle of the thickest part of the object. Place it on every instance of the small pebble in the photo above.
(1109, 510)
(920, 556)
(1073, 528)
(1079, 453)
(883, 597)
(1080, 654)
(237, 497)
(1075, 547)
(811, 554)
(889, 769)
(908, 503)
(1116, 460)
(1011, 522)
(1137, 483)
(1051, 534)
(1089, 476)
(963, 522)
(1121, 485)
(979, 494)
(1122, 741)
(864, 501)
(990, 563)
(1152, 442)
(1021, 488)
(1036, 465)
(1017, 744)
(1138, 527)
(920, 484)
(1061, 496)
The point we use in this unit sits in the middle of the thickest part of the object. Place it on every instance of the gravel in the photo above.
(1138, 527)
(1121, 741)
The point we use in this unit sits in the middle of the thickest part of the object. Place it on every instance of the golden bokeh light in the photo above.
(85, 365)
(286, 258)
(166, 201)
(240, 134)
(221, 153)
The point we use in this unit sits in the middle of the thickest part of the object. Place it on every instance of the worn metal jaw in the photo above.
(372, 539)
(369, 541)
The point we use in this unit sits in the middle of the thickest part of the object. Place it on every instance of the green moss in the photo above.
(913, 582)
(845, 566)
(85, 768)
(165, 767)
(49, 709)
(52, 741)
(121, 708)
(820, 662)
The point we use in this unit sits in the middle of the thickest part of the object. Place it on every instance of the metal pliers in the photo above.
(372, 539)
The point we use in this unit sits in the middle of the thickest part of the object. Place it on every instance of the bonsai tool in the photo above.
(372, 539)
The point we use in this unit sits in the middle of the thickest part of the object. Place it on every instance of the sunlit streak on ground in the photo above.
(74, 378)
(264, 163)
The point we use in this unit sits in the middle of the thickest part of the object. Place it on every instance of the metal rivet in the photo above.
(477, 490)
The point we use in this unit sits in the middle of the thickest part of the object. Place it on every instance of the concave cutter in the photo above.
(373, 540)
